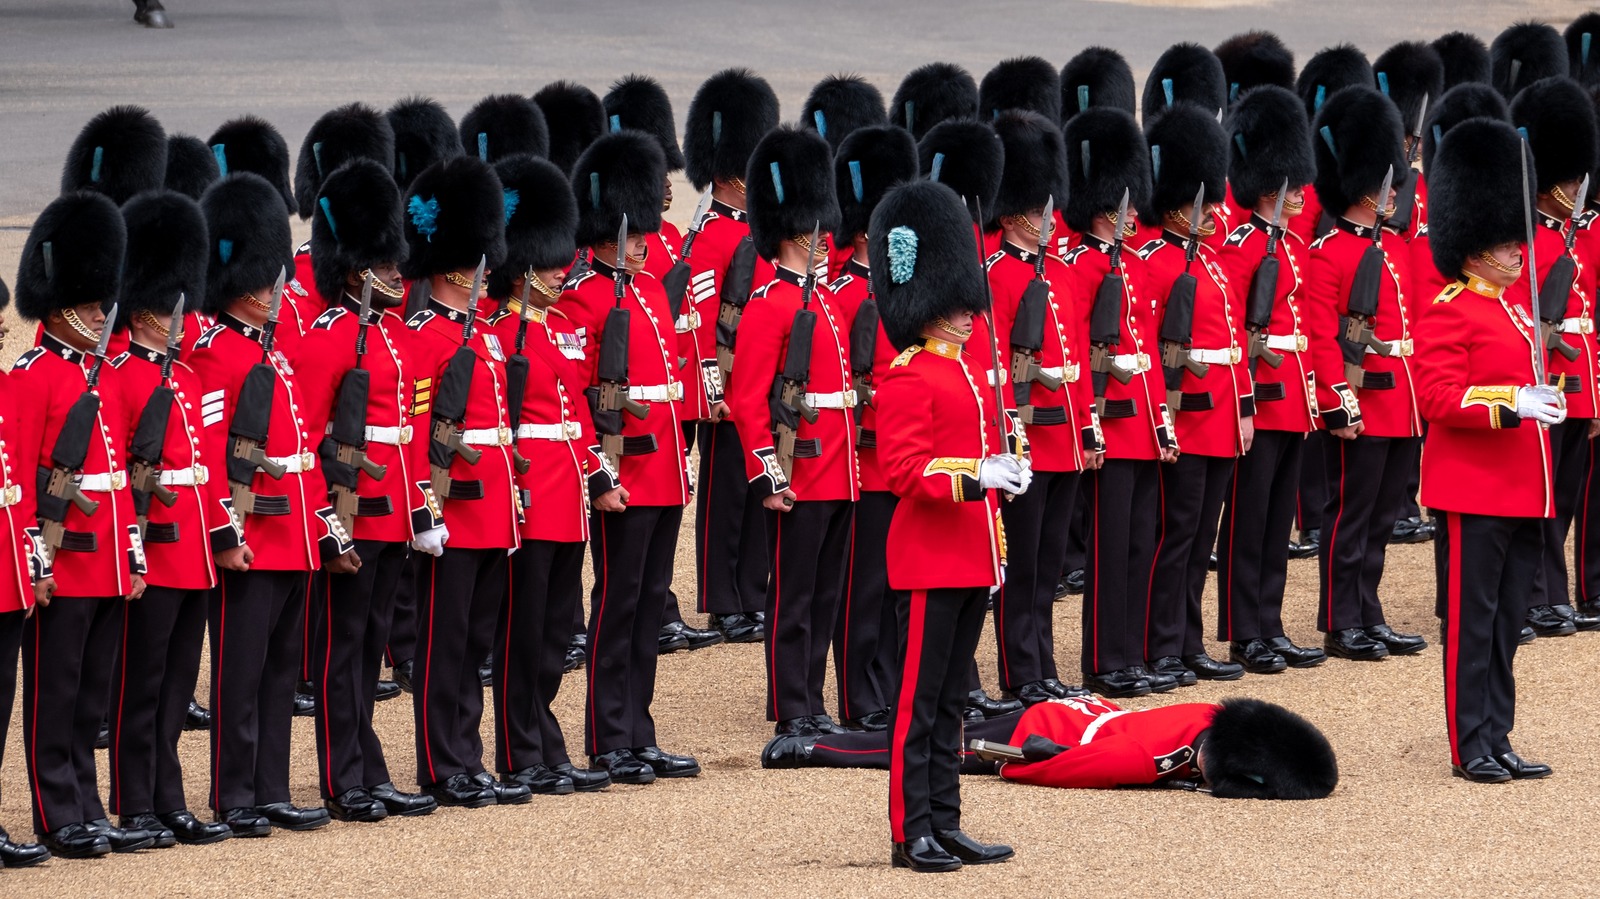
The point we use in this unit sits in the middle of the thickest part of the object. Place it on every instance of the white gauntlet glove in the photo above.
(432, 541)
(1541, 403)
(1004, 472)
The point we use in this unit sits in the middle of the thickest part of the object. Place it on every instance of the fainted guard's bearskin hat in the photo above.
(541, 220)
(1464, 101)
(1465, 57)
(930, 94)
(1252, 59)
(191, 166)
(924, 260)
(502, 125)
(728, 116)
(622, 173)
(789, 189)
(248, 239)
(575, 116)
(640, 103)
(251, 144)
(967, 156)
(73, 255)
(1524, 53)
(1357, 139)
(1258, 750)
(1035, 166)
(1329, 71)
(353, 131)
(424, 133)
(119, 153)
(356, 226)
(1106, 155)
(167, 253)
(1271, 144)
(867, 164)
(1185, 73)
(1188, 148)
(1558, 116)
(1475, 199)
(1022, 82)
(1098, 76)
(454, 213)
(1407, 73)
(839, 104)
(1583, 54)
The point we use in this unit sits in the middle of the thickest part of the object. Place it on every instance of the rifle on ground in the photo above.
(252, 415)
(150, 434)
(1027, 329)
(1177, 325)
(449, 414)
(344, 450)
(1264, 291)
(610, 398)
(59, 481)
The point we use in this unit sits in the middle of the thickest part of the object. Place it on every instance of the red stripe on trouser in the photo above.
(1452, 642)
(602, 586)
(902, 715)
(772, 626)
(427, 667)
(1331, 543)
(216, 695)
(33, 735)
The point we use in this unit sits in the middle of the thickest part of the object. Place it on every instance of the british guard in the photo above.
(1328, 71)
(930, 94)
(1465, 57)
(575, 117)
(1254, 59)
(352, 131)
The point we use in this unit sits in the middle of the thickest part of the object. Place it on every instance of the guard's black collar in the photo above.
(244, 329)
(607, 270)
(1349, 227)
(791, 277)
(858, 268)
(139, 351)
(56, 345)
(353, 305)
(1550, 221)
(1016, 252)
(723, 209)
(449, 313)
(1095, 243)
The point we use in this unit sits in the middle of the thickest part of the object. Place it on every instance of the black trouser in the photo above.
(670, 613)
(529, 648)
(1314, 479)
(632, 555)
(256, 622)
(810, 546)
(1122, 537)
(1253, 546)
(351, 634)
(12, 625)
(730, 528)
(866, 651)
(1367, 479)
(162, 634)
(1192, 491)
(1586, 540)
(942, 630)
(403, 617)
(1569, 446)
(1078, 534)
(311, 635)
(457, 607)
(1485, 566)
(870, 749)
(1038, 524)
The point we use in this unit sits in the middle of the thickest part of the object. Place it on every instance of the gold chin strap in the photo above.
(150, 321)
(1488, 259)
(538, 284)
(1207, 227)
(1022, 221)
(70, 316)
(944, 325)
(382, 286)
(458, 280)
(1128, 229)
(1372, 204)
(1561, 197)
(1288, 205)
(250, 299)
(737, 184)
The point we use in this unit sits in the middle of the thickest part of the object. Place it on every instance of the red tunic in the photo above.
(1304, 225)
(1286, 398)
(22, 557)
(851, 290)
(312, 305)
(1110, 746)
(724, 227)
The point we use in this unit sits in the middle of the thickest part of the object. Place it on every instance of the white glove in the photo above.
(432, 541)
(1004, 472)
(1542, 403)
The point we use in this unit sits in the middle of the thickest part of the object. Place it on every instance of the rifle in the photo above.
(1405, 204)
(1356, 334)
(449, 416)
(60, 480)
(150, 434)
(344, 450)
(676, 280)
(736, 287)
(517, 370)
(1105, 320)
(863, 350)
(610, 398)
(1264, 291)
(1177, 325)
(1530, 263)
(1556, 291)
(252, 414)
(788, 400)
(1027, 330)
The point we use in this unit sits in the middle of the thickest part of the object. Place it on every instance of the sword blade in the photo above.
(1532, 266)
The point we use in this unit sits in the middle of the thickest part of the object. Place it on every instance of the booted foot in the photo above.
(1256, 657)
(75, 841)
(197, 717)
(1520, 768)
(356, 804)
(150, 824)
(245, 822)
(504, 793)
(1173, 667)
(288, 816)
(1296, 656)
(970, 851)
(1482, 770)
(872, 722)
(623, 767)
(541, 780)
(459, 791)
(983, 705)
(1397, 643)
(1207, 668)
(583, 779)
(1353, 643)
(406, 805)
(665, 764)
(191, 831)
(1117, 684)
(20, 855)
(123, 840)
(788, 751)
(923, 855)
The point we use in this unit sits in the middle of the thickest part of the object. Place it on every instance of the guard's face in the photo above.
(1510, 256)
(666, 198)
(80, 326)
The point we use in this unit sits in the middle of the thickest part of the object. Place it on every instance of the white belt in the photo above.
(1583, 324)
(396, 436)
(689, 321)
(570, 430)
(194, 476)
(997, 378)
(1132, 361)
(1067, 374)
(299, 464)
(843, 399)
(1396, 348)
(670, 392)
(1230, 356)
(486, 437)
(1094, 726)
(1294, 343)
(104, 483)
(11, 495)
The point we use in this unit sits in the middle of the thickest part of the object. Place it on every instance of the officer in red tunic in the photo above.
(1365, 393)
(1478, 383)
(810, 496)
(1586, 568)
(637, 504)
(1272, 144)
(1465, 101)
(729, 114)
(944, 456)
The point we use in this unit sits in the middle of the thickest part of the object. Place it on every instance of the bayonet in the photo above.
(1116, 239)
(174, 339)
(620, 273)
(1416, 133)
(472, 301)
(274, 306)
(363, 313)
(811, 267)
(1192, 246)
(100, 347)
(1383, 206)
(1577, 210)
(1047, 225)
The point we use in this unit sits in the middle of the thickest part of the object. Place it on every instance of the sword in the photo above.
(1532, 266)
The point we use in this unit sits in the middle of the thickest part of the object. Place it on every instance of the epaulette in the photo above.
(326, 319)
(1241, 234)
(1422, 230)
(1072, 255)
(1149, 249)
(993, 258)
(498, 316)
(762, 290)
(295, 287)
(209, 335)
(1317, 244)
(841, 283)
(573, 282)
(304, 249)
(117, 360)
(1450, 291)
(1585, 220)
(905, 356)
(419, 318)
(27, 359)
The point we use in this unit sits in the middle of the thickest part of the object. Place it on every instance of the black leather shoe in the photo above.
(151, 14)
(1075, 580)
(872, 722)
(1064, 691)
(1256, 656)
(1062, 590)
(150, 824)
(822, 724)
(1520, 768)
(122, 840)
(1590, 607)
(486, 673)
(1583, 622)
(796, 727)
(1159, 682)
(75, 841)
(665, 764)
(305, 705)
(737, 628)
(355, 804)
(245, 822)
(1398, 644)
(386, 690)
(1296, 656)
(1033, 693)
(543, 781)
(459, 791)
(1211, 564)
(20, 855)
(987, 706)
(923, 855)
(577, 654)
(1546, 623)
(1117, 684)
(289, 816)
(1482, 770)
(402, 675)
(788, 751)
(622, 767)
(1173, 667)
(700, 638)
(583, 779)
(970, 851)
(1309, 546)
(1354, 644)
(1411, 530)
(102, 737)
(197, 717)
(405, 805)
(671, 639)
(1526, 636)
(1207, 668)
(191, 831)
(504, 793)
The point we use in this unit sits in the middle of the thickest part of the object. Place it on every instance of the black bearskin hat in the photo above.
(930, 94)
(167, 253)
(1255, 58)
(924, 259)
(1358, 139)
(1535, 50)
(250, 144)
(1558, 116)
(1098, 76)
(1474, 193)
(541, 220)
(1271, 143)
(967, 156)
(1185, 73)
(1035, 165)
(1464, 101)
(639, 102)
(789, 188)
(454, 213)
(1188, 148)
(1406, 73)
(728, 116)
(1465, 58)
(839, 104)
(1331, 70)
(121, 152)
(501, 125)
(423, 134)
(1258, 750)
(1582, 54)
(868, 163)
(1106, 154)
(191, 166)
(621, 173)
(357, 225)
(1023, 82)
(249, 240)
(575, 116)
(353, 131)
(73, 255)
